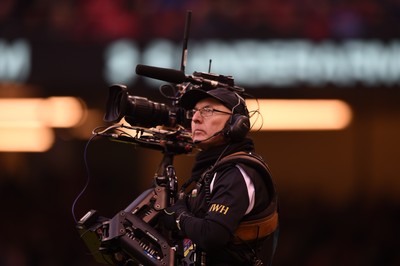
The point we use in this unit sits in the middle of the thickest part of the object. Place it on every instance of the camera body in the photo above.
(139, 111)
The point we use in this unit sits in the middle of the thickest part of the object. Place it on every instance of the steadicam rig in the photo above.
(133, 236)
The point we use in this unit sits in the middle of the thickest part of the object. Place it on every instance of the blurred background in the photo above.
(327, 74)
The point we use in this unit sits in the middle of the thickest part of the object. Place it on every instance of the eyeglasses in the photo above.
(204, 112)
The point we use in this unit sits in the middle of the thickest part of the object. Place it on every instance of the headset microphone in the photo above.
(212, 136)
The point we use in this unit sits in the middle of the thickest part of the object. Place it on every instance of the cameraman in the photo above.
(230, 212)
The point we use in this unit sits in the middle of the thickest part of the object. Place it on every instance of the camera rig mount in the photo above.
(134, 235)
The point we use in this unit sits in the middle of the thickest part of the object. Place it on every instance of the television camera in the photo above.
(134, 236)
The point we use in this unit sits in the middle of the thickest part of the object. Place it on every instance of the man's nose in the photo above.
(197, 116)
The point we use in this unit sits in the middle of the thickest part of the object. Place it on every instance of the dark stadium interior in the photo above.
(339, 189)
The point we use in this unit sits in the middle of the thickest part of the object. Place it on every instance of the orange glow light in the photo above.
(25, 123)
(300, 114)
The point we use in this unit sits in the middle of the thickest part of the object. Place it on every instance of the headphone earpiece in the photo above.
(237, 127)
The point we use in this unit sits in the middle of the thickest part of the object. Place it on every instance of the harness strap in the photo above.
(260, 228)
(252, 230)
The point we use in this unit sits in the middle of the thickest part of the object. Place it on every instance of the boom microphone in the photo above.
(164, 74)
(178, 76)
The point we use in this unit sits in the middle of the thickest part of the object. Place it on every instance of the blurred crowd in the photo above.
(102, 20)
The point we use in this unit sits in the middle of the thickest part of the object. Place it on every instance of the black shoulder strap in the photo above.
(249, 159)
(246, 158)
(253, 160)
(268, 225)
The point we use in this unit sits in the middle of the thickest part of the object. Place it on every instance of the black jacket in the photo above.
(220, 201)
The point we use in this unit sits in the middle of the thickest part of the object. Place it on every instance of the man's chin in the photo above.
(206, 143)
(199, 138)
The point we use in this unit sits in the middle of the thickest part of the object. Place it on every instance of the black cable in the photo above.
(87, 179)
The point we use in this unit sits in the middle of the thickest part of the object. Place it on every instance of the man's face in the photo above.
(203, 128)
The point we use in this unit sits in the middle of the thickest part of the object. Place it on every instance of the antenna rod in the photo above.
(185, 40)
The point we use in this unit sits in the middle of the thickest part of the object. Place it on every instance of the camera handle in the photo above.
(163, 194)
(167, 178)
(132, 234)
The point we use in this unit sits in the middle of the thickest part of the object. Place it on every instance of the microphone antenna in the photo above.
(185, 40)
(209, 66)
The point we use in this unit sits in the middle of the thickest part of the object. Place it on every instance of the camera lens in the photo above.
(116, 103)
(141, 111)
(137, 111)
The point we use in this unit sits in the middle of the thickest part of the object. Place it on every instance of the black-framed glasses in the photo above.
(204, 112)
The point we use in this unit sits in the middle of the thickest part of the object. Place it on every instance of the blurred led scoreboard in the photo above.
(254, 63)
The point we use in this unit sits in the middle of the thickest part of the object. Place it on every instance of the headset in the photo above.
(238, 125)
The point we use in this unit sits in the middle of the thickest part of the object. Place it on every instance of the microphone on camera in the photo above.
(164, 74)
(175, 76)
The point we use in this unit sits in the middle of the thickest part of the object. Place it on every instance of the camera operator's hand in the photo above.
(174, 215)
